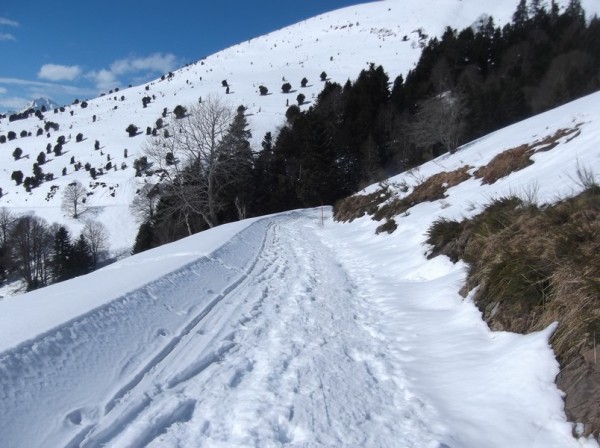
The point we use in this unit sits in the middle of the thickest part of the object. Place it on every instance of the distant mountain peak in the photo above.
(41, 102)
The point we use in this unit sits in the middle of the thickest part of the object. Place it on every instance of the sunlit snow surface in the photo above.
(293, 330)
(284, 330)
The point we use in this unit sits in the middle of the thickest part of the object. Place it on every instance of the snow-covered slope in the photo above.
(341, 43)
(295, 330)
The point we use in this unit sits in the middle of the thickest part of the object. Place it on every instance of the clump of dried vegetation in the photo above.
(380, 205)
(503, 164)
(534, 266)
(431, 189)
(357, 206)
(515, 159)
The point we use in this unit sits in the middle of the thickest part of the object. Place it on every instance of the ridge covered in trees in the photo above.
(466, 84)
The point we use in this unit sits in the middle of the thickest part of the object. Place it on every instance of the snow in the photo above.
(48, 307)
(290, 330)
(286, 330)
(324, 43)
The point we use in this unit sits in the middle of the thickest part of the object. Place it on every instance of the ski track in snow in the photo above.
(264, 343)
(289, 334)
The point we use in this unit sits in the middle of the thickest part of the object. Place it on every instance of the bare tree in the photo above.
(74, 200)
(200, 166)
(31, 243)
(7, 221)
(439, 120)
(96, 235)
(143, 206)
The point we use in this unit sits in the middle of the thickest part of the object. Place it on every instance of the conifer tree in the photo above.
(81, 257)
(236, 144)
(521, 15)
(62, 255)
(145, 238)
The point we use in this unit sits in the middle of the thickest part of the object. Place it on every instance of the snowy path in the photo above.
(283, 336)
(260, 351)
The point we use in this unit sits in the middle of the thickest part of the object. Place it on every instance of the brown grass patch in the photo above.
(356, 206)
(517, 158)
(389, 226)
(431, 189)
(534, 267)
(551, 141)
(503, 164)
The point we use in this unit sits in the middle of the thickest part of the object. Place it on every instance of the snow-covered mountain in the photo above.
(36, 104)
(288, 329)
(341, 43)
(42, 103)
(294, 330)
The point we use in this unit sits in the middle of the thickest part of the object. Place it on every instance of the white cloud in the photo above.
(56, 72)
(12, 103)
(7, 36)
(104, 79)
(8, 22)
(32, 89)
(156, 63)
(22, 82)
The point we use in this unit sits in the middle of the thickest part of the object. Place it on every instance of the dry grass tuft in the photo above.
(431, 189)
(503, 164)
(389, 226)
(353, 207)
(517, 158)
(551, 141)
(534, 267)
(444, 236)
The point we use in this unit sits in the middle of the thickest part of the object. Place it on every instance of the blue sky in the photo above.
(79, 48)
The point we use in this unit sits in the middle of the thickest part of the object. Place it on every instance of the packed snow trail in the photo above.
(287, 335)
(259, 344)
(282, 358)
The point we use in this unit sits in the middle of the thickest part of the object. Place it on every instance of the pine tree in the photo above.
(521, 15)
(536, 8)
(82, 261)
(237, 144)
(575, 11)
(179, 111)
(61, 262)
(263, 176)
(144, 239)
(38, 174)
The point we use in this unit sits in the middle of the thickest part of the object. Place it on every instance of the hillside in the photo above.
(294, 329)
(390, 33)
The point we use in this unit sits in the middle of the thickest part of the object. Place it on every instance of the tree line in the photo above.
(40, 253)
(466, 84)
